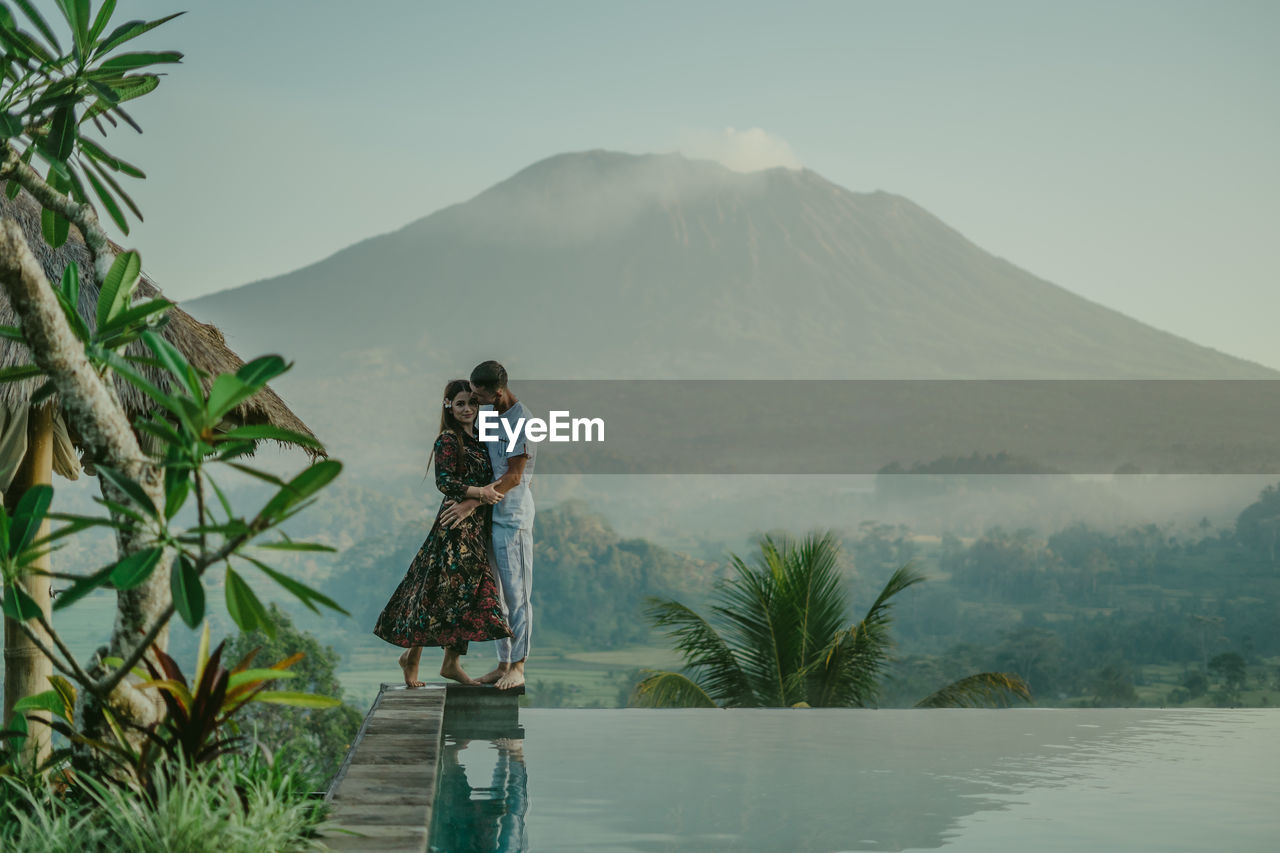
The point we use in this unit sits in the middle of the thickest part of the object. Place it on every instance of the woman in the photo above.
(448, 597)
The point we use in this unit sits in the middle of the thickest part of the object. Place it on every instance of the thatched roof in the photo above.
(201, 343)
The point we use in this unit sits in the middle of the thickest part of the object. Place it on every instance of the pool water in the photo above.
(689, 781)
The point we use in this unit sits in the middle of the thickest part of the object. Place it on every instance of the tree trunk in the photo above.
(26, 669)
(91, 408)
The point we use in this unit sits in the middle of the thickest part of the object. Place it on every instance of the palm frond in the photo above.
(747, 606)
(850, 669)
(705, 652)
(981, 690)
(669, 690)
(903, 578)
(812, 590)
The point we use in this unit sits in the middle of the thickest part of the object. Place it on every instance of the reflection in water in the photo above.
(481, 818)
(638, 781)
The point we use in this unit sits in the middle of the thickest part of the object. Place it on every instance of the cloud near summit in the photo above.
(747, 150)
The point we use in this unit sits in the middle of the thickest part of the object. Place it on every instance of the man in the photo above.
(511, 553)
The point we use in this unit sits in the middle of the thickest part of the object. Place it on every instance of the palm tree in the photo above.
(780, 639)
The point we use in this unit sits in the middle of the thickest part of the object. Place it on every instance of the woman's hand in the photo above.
(456, 513)
(489, 494)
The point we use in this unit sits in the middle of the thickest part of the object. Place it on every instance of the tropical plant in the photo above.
(240, 804)
(50, 98)
(311, 741)
(199, 725)
(778, 636)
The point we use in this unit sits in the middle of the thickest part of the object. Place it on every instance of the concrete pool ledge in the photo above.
(381, 797)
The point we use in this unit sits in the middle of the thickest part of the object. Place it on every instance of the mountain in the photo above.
(609, 265)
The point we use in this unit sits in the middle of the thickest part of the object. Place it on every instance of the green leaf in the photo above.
(44, 392)
(227, 392)
(132, 87)
(71, 283)
(303, 592)
(17, 605)
(134, 315)
(61, 140)
(100, 21)
(49, 700)
(222, 499)
(291, 545)
(96, 152)
(30, 11)
(13, 333)
(260, 475)
(297, 700)
(262, 370)
(113, 209)
(18, 725)
(77, 14)
(72, 313)
(131, 30)
(55, 228)
(302, 486)
(135, 378)
(82, 587)
(67, 692)
(141, 59)
(126, 510)
(118, 190)
(188, 592)
(19, 371)
(245, 608)
(25, 47)
(118, 286)
(245, 676)
(135, 568)
(160, 430)
(270, 433)
(30, 512)
(177, 489)
(130, 487)
(10, 125)
(176, 363)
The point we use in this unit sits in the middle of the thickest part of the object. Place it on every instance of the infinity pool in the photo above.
(828, 780)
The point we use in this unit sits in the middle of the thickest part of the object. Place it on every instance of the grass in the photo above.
(236, 806)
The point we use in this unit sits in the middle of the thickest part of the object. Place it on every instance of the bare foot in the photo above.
(410, 670)
(514, 677)
(455, 673)
(491, 677)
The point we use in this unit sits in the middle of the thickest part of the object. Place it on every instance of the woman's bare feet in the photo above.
(409, 664)
(455, 673)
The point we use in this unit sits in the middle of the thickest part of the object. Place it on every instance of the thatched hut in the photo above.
(202, 344)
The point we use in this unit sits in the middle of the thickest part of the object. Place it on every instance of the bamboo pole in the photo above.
(26, 670)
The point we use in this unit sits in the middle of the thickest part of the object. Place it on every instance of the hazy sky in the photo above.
(1123, 150)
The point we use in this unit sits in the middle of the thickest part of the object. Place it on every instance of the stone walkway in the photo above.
(381, 798)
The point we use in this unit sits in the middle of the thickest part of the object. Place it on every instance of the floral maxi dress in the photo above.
(448, 597)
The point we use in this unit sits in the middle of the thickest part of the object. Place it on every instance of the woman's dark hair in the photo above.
(490, 375)
(448, 423)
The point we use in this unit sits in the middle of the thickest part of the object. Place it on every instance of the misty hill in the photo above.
(609, 265)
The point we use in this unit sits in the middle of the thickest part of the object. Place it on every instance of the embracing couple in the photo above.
(471, 579)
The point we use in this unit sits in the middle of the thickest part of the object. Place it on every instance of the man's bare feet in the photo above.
(492, 677)
(409, 664)
(455, 673)
(513, 677)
